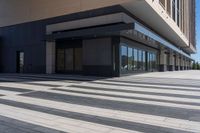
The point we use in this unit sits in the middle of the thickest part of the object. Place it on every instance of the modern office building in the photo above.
(96, 37)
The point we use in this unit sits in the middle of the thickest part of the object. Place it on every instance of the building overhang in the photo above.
(120, 24)
(153, 14)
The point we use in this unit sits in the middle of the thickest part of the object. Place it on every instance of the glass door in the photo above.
(20, 62)
(78, 59)
(69, 59)
(60, 60)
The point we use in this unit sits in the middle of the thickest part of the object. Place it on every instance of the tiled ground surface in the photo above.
(145, 103)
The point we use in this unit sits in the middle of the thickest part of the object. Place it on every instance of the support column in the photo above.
(177, 67)
(187, 64)
(171, 61)
(50, 57)
(181, 62)
(190, 64)
(184, 63)
(162, 65)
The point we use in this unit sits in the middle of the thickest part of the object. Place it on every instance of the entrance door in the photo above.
(20, 62)
(78, 59)
(69, 60)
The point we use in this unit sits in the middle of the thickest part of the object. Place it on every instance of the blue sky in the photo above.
(197, 56)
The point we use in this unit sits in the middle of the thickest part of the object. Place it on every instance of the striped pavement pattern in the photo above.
(129, 104)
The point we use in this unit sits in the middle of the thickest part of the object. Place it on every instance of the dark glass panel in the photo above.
(69, 59)
(135, 59)
(78, 59)
(124, 58)
(130, 59)
(140, 63)
(60, 59)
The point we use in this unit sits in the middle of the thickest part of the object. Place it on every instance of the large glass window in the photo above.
(174, 10)
(135, 59)
(130, 59)
(154, 61)
(162, 2)
(140, 64)
(124, 58)
(149, 62)
(178, 13)
(169, 7)
(144, 60)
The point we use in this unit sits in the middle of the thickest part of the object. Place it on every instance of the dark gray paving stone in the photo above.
(120, 96)
(15, 89)
(180, 113)
(9, 125)
(153, 82)
(142, 86)
(40, 84)
(139, 92)
(89, 118)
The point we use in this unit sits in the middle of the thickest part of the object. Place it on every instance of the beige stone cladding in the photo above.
(20, 11)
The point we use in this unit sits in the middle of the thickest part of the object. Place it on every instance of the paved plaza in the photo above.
(166, 102)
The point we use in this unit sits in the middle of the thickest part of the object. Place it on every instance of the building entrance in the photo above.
(68, 58)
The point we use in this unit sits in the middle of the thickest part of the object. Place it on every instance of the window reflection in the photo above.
(144, 60)
(140, 63)
(130, 59)
(133, 59)
(152, 62)
(124, 58)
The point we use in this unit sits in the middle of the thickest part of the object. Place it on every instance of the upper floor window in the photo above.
(176, 11)
(169, 7)
(162, 2)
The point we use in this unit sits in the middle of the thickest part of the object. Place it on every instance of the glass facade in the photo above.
(152, 61)
(130, 59)
(174, 10)
(124, 58)
(135, 59)
(135, 66)
(69, 59)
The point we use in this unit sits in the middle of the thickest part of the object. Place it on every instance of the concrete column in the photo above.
(171, 61)
(163, 61)
(177, 67)
(187, 64)
(181, 62)
(190, 64)
(50, 57)
(184, 63)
